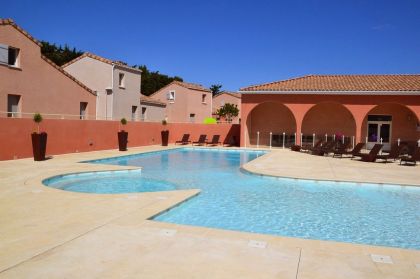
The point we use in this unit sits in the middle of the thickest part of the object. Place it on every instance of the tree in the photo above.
(228, 111)
(58, 54)
(215, 89)
(153, 81)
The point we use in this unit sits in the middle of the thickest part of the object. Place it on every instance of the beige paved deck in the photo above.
(48, 233)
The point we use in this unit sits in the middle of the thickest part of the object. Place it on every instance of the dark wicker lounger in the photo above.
(372, 155)
(185, 139)
(201, 140)
(413, 158)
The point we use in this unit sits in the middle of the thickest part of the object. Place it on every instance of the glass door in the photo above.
(379, 131)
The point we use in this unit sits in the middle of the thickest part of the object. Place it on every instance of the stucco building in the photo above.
(151, 110)
(360, 108)
(185, 102)
(116, 85)
(30, 82)
(223, 98)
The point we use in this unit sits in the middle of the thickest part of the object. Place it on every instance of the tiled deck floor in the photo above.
(48, 233)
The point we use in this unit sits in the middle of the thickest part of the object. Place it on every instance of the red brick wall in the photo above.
(69, 136)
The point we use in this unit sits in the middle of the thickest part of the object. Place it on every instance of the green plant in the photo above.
(164, 122)
(37, 119)
(123, 121)
(210, 120)
(228, 111)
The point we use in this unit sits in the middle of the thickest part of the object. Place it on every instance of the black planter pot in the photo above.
(122, 140)
(39, 146)
(165, 137)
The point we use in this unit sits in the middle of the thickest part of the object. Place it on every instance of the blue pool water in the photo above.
(231, 199)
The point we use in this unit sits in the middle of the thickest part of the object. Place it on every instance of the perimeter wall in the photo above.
(70, 136)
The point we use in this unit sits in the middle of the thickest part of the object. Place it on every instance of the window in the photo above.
(121, 80)
(9, 55)
(192, 117)
(203, 98)
(83, 110)
(13, 106)
(171, 96)
(143, 113)
(133, 113)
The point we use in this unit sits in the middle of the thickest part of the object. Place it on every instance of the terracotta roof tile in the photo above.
(193, 86)
(149, 100)
(368, 83)
(9, 21)
(99, 58)
(233, 94)
(12, 23)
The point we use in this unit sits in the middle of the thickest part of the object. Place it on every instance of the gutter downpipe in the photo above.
(112, 92)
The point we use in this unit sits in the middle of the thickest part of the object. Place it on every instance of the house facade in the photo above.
(223, 98)
(151, 110)
(116, 85)
(30, 82)
(358, 108)
(185, 102)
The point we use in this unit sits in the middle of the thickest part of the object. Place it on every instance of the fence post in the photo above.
(398, 141)
(301, 139)
(258, 139)
(334, 137)
(352, 141)
(326, 137)
(343, 139)
(295, 139)
(418, 143)
(271, 135)
(284, 135)
(313, 139)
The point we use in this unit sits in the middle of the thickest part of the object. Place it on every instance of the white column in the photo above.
(301, 139)
(313, 140)
(271, 135)
(398, 141)
(258, 139)
(284, 135)
(326, 137)
(343, 139)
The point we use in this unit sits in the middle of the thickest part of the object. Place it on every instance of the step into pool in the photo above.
(386, 215)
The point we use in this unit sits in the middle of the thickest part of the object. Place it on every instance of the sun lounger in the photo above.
(230, 141)
(372, 155)
(324, 149)
(309, 147)
(214, 141)
(413, 158)
(394, 153)
(356, 150)
(201, 140)
(185, 139)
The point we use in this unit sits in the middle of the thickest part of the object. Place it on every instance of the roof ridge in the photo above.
(343, 82)
(11, 22)
(101, 59)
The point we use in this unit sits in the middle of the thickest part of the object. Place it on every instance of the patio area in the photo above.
(49, 233)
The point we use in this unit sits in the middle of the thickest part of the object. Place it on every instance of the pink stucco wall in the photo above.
(42, 87)
(69, 136)
(222, 99)
(187, 101)
(318, 113)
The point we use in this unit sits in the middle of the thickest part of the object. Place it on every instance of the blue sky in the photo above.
(235, 43)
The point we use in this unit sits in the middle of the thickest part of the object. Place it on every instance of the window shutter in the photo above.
(4, 54)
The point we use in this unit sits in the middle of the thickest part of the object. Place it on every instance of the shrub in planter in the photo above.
(122, 137)
(164, 134)
(39, 140)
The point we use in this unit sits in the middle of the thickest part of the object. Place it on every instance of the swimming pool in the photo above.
(232, 199)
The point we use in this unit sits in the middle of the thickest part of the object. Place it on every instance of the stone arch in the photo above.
(404, 122)
(270, 117)
(329, 118)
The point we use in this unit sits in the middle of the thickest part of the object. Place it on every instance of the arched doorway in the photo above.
(271, 117)
(389, 122)
(328, 120)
